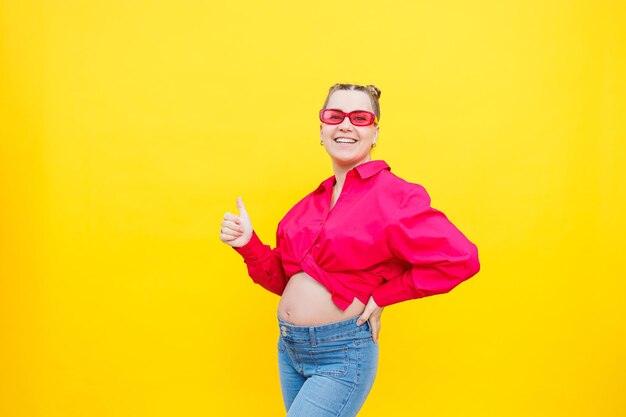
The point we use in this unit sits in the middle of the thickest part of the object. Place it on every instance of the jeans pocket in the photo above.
(331, 361)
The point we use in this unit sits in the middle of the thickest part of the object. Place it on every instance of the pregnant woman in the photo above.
(364, 239)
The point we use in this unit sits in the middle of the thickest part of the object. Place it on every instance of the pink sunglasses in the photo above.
(357, 117)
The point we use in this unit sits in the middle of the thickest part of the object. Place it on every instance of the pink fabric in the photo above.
(381, 238)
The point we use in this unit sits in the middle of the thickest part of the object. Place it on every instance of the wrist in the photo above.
(249, 248)
(373, 301)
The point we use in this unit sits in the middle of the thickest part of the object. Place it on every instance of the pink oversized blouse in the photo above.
(380, 239)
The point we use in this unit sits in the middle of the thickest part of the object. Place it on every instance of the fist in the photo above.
(236, 230)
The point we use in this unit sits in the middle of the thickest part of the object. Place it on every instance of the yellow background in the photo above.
(128, 128)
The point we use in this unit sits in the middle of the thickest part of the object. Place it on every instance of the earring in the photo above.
(374, 145)
(322, 142)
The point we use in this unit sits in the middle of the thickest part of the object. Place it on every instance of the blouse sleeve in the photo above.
(439, 256)
(264, 263)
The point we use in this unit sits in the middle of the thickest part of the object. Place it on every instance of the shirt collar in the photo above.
(371, 168)
(364, 170)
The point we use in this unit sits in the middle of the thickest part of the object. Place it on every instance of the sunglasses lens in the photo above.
(332, 117)
(361, 118)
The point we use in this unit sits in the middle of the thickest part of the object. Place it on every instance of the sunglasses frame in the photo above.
(349, 116)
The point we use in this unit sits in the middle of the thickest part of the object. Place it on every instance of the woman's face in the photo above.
(357, 151)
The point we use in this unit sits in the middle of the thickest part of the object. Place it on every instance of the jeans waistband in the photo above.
(323, 332)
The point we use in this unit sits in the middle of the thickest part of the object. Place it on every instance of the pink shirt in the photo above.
(380, 239)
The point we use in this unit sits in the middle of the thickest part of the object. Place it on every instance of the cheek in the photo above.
(325, 131)
(367, 135)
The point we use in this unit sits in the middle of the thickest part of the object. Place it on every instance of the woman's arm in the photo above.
(264, 264)
(440, 256)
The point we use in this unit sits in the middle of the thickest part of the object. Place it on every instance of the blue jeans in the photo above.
(326, 370)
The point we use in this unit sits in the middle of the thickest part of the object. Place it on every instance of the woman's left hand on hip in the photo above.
(372, 314)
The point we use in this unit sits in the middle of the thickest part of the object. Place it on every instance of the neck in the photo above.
(341, 171)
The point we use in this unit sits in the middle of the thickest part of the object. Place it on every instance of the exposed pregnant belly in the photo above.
(306, 302)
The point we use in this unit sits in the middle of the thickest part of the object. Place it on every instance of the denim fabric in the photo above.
(328, 370)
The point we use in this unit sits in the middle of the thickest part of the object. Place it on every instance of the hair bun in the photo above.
(374, 91)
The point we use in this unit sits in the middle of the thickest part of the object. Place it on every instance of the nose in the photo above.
(345, 124)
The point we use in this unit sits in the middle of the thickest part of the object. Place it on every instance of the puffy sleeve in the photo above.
(264, 263)
(438, 256)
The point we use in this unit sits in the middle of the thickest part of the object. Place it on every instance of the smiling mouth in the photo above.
(344, 140)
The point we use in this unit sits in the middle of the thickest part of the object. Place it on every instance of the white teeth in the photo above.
(345, 140)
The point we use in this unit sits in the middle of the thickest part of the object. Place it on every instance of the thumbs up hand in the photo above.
(236, 230)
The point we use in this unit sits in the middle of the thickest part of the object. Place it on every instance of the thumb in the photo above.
(242, 209)
(364, 317)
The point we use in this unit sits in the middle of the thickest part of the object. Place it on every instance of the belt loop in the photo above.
(312, 337)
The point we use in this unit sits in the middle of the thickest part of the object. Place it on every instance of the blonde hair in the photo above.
(372, 91)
